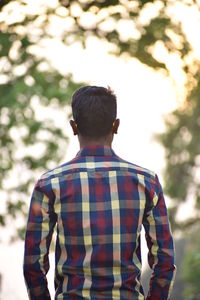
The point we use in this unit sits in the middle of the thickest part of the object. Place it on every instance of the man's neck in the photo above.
(104, 142)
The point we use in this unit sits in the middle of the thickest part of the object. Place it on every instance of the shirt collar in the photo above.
(96, 150)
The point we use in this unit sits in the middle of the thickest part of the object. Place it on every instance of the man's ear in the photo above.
(115, 126)
(74, 127)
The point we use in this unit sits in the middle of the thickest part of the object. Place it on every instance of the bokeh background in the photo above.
(148, 52)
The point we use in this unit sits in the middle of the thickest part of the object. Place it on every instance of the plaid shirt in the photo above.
(99, 203)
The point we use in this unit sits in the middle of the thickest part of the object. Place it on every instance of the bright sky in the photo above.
(144, 97)
(141, 100)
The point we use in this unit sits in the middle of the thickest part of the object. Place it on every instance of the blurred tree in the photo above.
(182, 177)
(28, 81)
(134, 28)
(29, 143)
(190, 270)
(182, 144)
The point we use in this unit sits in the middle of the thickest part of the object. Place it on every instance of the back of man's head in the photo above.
(94, 110)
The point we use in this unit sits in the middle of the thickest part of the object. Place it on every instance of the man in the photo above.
(99, 203)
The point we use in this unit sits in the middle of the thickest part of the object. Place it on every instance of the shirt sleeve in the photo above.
(160, 245)
(40, 225)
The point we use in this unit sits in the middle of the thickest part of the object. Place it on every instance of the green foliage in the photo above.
(182, 182)
(191, 268)
(150, 31)
(3, 3)
(181, 142)
(29, 144)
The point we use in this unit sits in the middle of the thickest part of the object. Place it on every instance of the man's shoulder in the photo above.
(59, 170)
(140, 170)
(116, 163)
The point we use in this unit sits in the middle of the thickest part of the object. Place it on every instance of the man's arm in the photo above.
(41, 222)
(160, 244)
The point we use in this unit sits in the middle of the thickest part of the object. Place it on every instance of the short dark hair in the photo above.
(94, 110)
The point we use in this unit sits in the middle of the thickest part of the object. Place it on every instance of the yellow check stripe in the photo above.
(86, 234)
(116, 234)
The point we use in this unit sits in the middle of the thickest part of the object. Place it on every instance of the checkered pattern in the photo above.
(98, 203)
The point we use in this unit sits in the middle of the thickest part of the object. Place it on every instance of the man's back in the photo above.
(99, 203)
